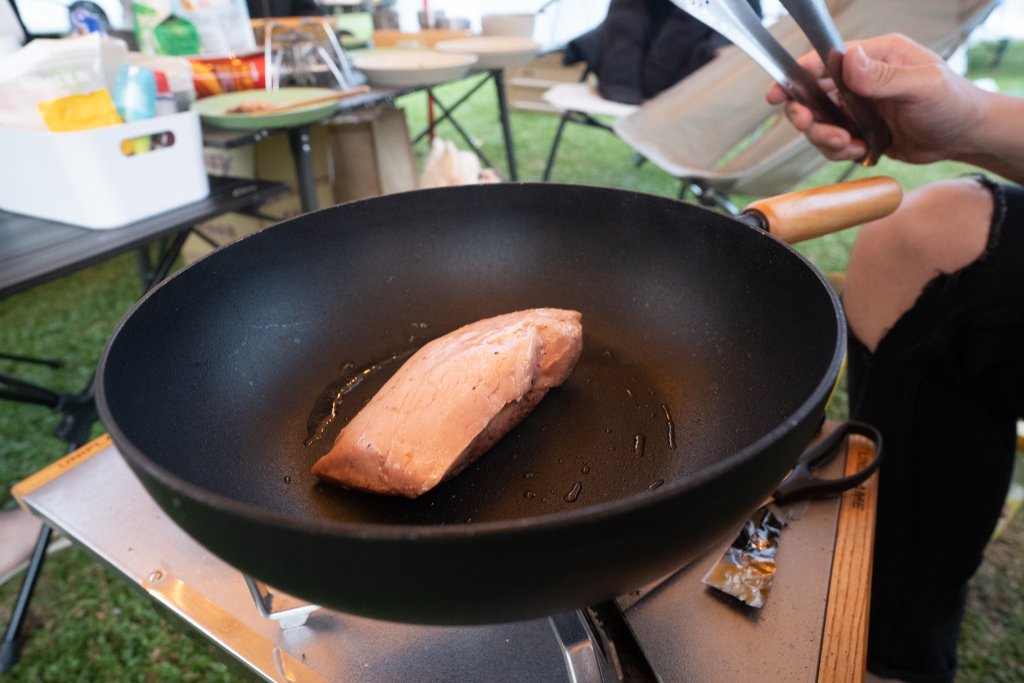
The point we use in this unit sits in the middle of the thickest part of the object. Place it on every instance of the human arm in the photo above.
(934, 113)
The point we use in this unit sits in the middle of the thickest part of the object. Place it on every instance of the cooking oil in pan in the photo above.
(609, 431)
(325, 411)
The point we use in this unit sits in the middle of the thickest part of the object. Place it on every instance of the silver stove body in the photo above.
(687, 631)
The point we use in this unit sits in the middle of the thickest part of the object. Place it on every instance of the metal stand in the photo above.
(10, 649)
(597, 643)
(582, 660)
(78, 410)
(598, 646)
(287, 611)
(170, 247)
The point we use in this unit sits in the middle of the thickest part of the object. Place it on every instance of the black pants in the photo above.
(945, 387)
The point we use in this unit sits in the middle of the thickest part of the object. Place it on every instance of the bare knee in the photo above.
(939, 228)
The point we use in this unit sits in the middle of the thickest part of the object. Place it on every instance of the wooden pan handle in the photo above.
(798, 216)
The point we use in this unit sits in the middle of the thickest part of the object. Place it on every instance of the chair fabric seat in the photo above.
(583, 97)
(716, 128)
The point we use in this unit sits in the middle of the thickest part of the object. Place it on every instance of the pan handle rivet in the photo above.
(155, 577)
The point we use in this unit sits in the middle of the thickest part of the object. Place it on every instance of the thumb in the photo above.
(871, 78)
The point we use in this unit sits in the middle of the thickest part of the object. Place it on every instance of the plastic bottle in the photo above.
(135, 99)
(135, 92)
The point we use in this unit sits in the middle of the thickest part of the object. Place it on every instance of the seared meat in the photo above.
(452, 400)
(251, 107)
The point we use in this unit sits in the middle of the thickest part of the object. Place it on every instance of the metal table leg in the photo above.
(497, 76)
(506, 128)
(299, 139)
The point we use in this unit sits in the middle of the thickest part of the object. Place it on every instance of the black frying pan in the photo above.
(710, 349)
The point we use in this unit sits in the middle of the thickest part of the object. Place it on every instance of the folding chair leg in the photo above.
(848, 171)
(708, 196)
(554, 145)
(684, 187)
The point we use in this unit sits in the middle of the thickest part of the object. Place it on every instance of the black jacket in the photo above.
(642, 47)
(265, 9)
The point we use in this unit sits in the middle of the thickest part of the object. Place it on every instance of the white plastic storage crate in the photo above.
(104, 177)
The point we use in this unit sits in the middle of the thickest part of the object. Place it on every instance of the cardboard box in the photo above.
(372, 156)
(268, 159)
(353, 158)
(525, 84)
(237, 162)
(274, 161)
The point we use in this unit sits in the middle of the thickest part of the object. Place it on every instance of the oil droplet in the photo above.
(574, 494)
(655, 484)
(585, 469)
(528, 475)
(607, 430)
(639, 445)
(529, 495)
(287, 479)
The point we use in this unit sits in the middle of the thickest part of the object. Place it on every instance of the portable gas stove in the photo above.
(686, 631)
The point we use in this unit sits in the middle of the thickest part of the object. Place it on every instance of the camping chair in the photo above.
(714, 131)
(581, 103)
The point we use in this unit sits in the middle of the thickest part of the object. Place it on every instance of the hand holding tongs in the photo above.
(737, 21)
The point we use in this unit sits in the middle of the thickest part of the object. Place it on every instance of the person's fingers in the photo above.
(812, 63)
(775, 94)
(800, 116)
(864, 75)
(876, 76)
(827, 136)
(835, 143)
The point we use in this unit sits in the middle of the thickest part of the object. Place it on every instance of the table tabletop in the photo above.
(299, 136)
(225, 138)
(35, 250)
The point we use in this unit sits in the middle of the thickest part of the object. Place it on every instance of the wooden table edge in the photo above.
(845, 629)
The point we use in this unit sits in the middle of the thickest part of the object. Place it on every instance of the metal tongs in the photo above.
(737, 21)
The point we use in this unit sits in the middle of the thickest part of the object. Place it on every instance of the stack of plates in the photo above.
(215, 110)
(493, 52)
(412, 68)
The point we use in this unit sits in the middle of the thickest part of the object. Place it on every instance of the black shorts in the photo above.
(945, 387)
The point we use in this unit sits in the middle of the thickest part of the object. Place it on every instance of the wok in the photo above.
(710, 349)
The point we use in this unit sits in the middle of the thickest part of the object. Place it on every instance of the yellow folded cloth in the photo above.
(79, 112)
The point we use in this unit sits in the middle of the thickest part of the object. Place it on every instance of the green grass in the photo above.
(87, 624)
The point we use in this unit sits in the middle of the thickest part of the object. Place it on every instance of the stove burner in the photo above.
(597, 643)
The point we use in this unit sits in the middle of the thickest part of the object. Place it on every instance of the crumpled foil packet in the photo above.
(747, 568)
